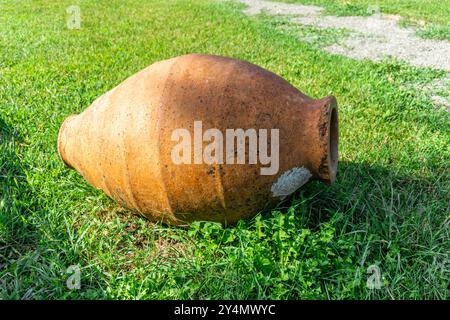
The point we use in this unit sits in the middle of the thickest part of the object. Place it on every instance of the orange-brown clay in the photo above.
(122, 143)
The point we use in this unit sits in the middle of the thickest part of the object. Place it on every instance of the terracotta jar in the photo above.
(166, 142)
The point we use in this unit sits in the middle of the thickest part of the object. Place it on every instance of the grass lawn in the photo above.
(389, 208)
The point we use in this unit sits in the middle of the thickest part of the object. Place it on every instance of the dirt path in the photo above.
(374, 37)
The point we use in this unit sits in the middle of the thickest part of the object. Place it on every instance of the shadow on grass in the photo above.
(16, 195)
(33, 264)
(18, 235)
(372, 195)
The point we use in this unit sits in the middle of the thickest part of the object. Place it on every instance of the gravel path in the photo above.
(374, 37)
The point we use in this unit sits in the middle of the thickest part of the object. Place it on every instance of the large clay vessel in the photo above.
(123, 143)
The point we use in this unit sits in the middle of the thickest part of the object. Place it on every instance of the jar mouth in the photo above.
(333, 142)
(329, 136)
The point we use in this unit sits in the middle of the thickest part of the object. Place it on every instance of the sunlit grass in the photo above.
(389, 206)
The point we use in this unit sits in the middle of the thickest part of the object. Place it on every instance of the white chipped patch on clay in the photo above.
(290, 181)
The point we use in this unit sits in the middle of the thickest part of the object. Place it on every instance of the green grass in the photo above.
(431, 17)
(389, 206)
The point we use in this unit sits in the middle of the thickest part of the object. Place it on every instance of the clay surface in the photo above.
(123, 143)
